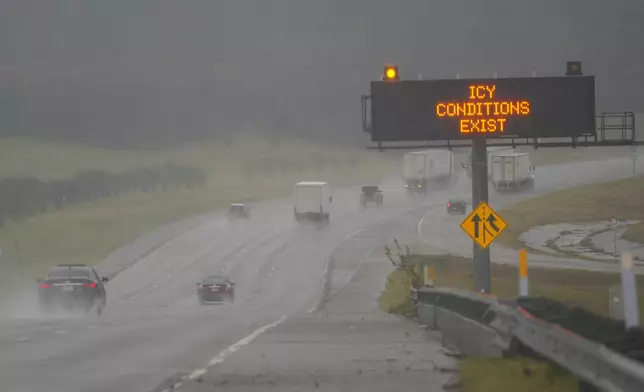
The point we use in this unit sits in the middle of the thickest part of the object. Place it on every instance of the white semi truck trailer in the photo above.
(428, 169)
(511, 171)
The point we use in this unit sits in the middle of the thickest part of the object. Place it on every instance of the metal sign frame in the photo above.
(462, 109)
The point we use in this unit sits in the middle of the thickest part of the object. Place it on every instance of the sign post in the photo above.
(481, 256)
(483, 225)
(523, 273)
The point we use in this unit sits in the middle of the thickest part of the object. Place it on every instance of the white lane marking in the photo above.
(21, 339)
(92, 326)
(233, 349)
(419, 228)
(245, 341)
(61, 331)
(355, 232)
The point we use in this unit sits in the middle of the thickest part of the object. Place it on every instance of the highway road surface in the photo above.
(153, 329)
(154, 334)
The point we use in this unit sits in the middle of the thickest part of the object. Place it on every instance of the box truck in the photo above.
(511, 171)
(312, 201)
(428, 169)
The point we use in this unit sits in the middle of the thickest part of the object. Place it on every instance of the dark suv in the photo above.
(457, 206)
(370, 193)
(215, 288)
(72, 286)
(238, 211)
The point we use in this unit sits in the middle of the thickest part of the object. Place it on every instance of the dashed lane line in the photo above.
(225, 354)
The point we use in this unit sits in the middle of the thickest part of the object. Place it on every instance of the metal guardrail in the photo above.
(591, 362)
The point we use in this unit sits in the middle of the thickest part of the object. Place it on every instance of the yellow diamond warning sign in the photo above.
(483, 225)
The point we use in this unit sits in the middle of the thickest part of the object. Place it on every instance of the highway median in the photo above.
(584, 289)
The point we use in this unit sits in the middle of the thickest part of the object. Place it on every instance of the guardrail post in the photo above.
(523, 273)
(631, 310)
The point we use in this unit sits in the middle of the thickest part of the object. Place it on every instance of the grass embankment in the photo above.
(245, 169)
(621, 199)
(586, 289)
(512, 374)
(555, 156)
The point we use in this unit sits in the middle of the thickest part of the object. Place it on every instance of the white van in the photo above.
(312, 201)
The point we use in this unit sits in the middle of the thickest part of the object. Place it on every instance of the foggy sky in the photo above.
(294, 65)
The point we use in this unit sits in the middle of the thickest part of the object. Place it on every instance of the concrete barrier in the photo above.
(426, 315)
(467, 336)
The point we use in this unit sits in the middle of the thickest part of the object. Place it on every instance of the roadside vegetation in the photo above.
(109, 197)
(620, 199)
(513, 374)
(396, 297)
(585, 289)
(556, 156)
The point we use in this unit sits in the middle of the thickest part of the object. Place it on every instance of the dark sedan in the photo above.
(72, 286)
(457, 206)
(215, 288)
(238, 211)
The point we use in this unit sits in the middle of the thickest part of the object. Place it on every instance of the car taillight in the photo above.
(45, 286)
(449, 204)
(90, 285)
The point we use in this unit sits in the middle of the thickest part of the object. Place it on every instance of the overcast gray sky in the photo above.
(294, 64)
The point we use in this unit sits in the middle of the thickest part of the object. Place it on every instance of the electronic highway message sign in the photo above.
(536, 107)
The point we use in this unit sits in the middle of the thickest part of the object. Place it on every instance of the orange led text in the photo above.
(482, 113)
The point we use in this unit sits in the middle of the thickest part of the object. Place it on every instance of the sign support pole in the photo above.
(482, 276)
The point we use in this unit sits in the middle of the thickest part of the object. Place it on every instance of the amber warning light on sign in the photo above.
(391, 72)
(482, 112)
